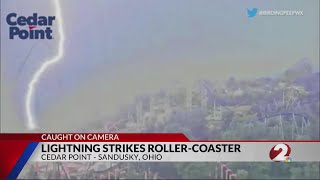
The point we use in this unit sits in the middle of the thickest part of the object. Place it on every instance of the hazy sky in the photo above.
(116, 50)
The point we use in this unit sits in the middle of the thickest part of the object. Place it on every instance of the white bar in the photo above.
(249, 152)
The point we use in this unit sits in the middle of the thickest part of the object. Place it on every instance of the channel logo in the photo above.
(31, 27)
(280, 153)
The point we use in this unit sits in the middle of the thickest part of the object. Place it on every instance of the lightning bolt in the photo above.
(31, 123)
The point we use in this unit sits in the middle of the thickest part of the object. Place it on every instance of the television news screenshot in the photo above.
(160, 89)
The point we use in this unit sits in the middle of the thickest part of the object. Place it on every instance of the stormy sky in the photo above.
(116, 50)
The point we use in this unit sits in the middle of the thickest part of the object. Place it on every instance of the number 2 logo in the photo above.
(280, 152)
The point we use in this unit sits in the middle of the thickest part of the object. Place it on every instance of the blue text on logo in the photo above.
(32, 22)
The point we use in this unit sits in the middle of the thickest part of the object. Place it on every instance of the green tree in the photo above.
(242, 174)
(296, 173)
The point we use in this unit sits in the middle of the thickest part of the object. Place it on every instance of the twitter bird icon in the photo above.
(252, 12)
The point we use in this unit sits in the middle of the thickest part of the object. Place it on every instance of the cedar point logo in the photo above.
(30, 27)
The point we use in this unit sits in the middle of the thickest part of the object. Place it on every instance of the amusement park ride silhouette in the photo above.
(279, 115)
